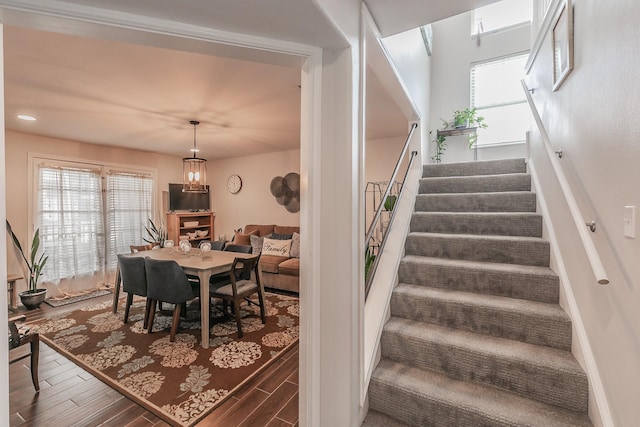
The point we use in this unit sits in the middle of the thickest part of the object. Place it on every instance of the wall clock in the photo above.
(234, 184)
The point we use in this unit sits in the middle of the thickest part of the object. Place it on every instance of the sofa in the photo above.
(280, 270)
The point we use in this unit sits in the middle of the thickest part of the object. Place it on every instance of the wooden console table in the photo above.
(11, 289)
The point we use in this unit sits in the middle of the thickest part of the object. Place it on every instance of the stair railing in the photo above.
(372, 259)
(581, 225)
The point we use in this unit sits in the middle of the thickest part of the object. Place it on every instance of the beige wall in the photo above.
(592, 119)
(254, 204)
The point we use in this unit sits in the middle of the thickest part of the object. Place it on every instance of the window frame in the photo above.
(35, 159)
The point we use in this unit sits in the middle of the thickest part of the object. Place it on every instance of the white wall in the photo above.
(592, 119)
(454, 50)
(254, 204)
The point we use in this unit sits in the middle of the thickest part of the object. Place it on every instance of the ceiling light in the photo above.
(194, 169)
(27, 118)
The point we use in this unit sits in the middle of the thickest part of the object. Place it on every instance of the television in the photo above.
(185, 201)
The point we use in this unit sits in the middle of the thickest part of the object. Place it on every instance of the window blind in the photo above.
(128, 201)
(70, 217)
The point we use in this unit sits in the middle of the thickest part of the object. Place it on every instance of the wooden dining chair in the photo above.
(134, 282)
(167, 281)
(239, 288)
(140, 248)
(223, 278)
(18, 338)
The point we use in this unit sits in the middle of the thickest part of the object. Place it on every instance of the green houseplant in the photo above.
(462, 119)
(33, 296)
(157, 234)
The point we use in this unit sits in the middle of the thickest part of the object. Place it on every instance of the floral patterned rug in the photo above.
(180, 382)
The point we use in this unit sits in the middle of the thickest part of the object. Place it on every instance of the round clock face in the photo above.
(234, 184)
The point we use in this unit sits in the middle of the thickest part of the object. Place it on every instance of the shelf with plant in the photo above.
(464, 122)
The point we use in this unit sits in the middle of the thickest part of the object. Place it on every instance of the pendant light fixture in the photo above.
(194, 169)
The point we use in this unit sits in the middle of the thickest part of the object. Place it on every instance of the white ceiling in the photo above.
(102, 90)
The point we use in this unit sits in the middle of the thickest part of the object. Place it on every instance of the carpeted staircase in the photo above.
(476, 336)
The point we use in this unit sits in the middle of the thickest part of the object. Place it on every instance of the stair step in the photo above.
(424, 398)
(498, 249)
(542, 373)
(526, 321)
(509, 201)
(486, 223)
(484, 167)
(475, 184)
(376, 419)
(507, 280)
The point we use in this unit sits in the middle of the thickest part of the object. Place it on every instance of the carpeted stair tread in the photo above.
(504, 249)
(542, 373)
(424, 398)
(483, 167)
(476, 184)
(508, 201)
(508, 280)
(376, 419)
(527, 224)
(527, 321)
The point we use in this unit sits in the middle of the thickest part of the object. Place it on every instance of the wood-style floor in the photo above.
(70, 396)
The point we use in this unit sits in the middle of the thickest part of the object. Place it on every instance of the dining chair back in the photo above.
(167, 282)
(18, 338)
(140, 248)
(134, 282)
(245, 249)
(217, 245)
(238, 290)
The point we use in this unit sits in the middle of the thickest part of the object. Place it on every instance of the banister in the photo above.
(376, 217)
(590, 248)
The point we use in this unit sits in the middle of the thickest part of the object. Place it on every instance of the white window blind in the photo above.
(70, 218)
(496, 93)
(128, 208)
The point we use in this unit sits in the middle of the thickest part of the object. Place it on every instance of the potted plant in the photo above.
(157, 234)
(33, 296)
(440, 147)
(468, 118)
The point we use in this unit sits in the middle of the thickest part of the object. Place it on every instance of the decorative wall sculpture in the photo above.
(286, 190)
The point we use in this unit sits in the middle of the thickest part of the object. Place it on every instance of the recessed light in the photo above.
(27, 118)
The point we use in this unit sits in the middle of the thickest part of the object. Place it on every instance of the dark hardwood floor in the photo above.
(70, 396)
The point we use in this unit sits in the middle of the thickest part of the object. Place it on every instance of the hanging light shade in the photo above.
(194, 169)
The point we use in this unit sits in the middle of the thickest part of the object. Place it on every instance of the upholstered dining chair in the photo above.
(223, 278)
(217, 245)
(238, 289)
(134, 282)
(166, 281)
(18, 338)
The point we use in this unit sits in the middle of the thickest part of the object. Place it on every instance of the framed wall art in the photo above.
(562, 37)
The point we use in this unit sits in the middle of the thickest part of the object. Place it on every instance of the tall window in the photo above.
(501, 15)
(128, 208)
(497, 94)
(82, 231)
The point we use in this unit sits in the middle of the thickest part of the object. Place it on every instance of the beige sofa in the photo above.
(278, 272)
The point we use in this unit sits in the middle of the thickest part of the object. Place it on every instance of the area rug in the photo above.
(64, 301)
(180, 382)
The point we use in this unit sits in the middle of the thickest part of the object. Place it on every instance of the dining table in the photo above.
(195, 263)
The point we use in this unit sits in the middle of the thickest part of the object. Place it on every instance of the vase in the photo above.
(33, 300)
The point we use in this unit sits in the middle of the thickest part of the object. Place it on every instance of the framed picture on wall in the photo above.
(562, 36)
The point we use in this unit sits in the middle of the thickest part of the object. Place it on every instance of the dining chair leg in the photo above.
(152, 314)
(174, 322)
(262, 307)
(236, 308)
(127, 307)
(147, 311)
(35, 357)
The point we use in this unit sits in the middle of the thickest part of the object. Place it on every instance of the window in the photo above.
(497, 94)
(81, 231)
(501, 15)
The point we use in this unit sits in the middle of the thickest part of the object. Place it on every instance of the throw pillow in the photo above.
(242, 238)
(280, 236)
(276, 247)
(295, 246)
(256, 243)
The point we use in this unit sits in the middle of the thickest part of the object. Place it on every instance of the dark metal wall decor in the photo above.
(286, 190)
